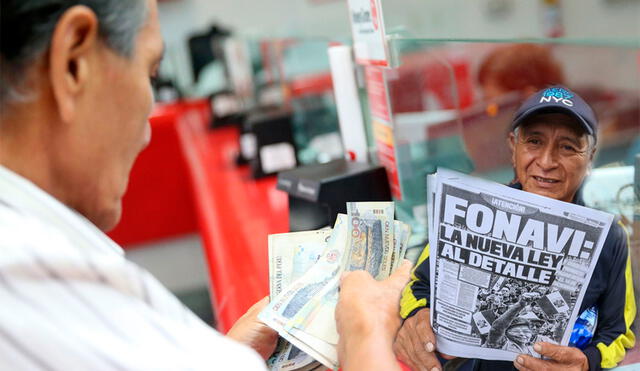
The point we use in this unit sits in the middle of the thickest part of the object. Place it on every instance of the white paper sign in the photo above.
(277, 157)
(367, 26)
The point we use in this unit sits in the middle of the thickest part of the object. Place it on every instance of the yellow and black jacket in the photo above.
(610, 290)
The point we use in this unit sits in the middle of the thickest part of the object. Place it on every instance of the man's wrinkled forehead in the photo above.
(546, 121)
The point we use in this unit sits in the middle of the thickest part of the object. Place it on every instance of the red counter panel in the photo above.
(235, 215)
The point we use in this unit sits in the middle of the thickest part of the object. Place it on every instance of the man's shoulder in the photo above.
(618, 231)
(617, 238)
(23, 236)
(615, 249)
(17, 225)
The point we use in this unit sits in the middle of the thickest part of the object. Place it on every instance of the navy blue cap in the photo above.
(558, 99)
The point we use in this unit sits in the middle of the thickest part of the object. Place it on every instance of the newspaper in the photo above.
(508, 268)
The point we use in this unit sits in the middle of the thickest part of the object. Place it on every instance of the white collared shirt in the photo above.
(69, 300)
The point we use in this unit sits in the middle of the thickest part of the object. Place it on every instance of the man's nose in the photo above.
(547, 158)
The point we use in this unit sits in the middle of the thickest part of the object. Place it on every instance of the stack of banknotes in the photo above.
(304, 275)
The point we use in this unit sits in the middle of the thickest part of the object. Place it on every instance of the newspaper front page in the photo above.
(508, 268)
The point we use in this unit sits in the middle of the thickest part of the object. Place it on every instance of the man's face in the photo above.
(520, 334)
(551, 156)
(114, 124)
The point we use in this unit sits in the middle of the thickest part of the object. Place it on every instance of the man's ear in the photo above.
(511, 142)
(74, 39)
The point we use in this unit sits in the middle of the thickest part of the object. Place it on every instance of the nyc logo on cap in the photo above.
(557, 95)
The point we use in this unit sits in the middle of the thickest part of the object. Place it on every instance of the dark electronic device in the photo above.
(266, 142)
(317, 193)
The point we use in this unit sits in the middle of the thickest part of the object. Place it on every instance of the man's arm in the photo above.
(616, 306)
(416, 295)
(369, 348)
(367, 319)
(415, 343)
(500, 325)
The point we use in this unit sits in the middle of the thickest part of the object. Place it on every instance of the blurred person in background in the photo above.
(522, 68)
(75, 96)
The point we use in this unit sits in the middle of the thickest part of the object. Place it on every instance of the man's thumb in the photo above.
(553, 351)
(402, 275)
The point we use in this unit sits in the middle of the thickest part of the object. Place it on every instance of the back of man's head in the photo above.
(75, 96)
(26, 27)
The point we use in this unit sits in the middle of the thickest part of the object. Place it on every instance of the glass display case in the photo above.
(304, 64)
(293, 79)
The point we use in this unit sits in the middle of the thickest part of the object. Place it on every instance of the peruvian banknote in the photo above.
(401, 235)
(370, 237)
(304, 310)
(286, 305)
(317, 317)
(291, 255)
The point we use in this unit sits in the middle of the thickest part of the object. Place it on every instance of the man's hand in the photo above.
(562, 358)
(415, 343)
(367, 318)
(250, 331)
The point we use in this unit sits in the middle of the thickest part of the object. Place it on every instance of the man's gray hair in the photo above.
(27, 26)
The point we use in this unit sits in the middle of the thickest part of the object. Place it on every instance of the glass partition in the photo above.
(571, 20)
(301, 68)
(452, 103)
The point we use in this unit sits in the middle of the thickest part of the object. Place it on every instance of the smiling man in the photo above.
(553, 142)
(537, 169)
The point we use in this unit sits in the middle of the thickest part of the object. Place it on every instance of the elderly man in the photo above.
(552, 142)
(75, 96)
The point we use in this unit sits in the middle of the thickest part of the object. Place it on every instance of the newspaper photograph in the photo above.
(508, 268)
